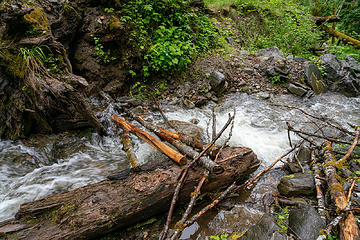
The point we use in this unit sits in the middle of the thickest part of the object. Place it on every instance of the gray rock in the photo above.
(201, 101)
(297, 90)
(355, 65)
(218, 82)
(297, 184)
(266, 229)
(290, 57)
(271, 54)
(306, 222)
(263, 95)
(189, 104)
(304, 154)
(314, 79)
(187, 128)
(244, 52)
(299, 59)
(248, 70)
(341, 75)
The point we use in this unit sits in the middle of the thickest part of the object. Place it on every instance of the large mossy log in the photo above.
(94, 210)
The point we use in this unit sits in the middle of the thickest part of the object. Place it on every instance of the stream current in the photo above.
(43, 165)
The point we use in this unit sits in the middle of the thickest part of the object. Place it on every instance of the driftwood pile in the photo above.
(327, 172)
(132, 196)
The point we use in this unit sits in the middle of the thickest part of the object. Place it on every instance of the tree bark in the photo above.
(94, 210)
(348, 226)
(343, 37)
(153, 141)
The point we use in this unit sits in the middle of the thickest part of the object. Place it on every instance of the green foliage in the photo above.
(103, 56)
(278, 23)
(282, 214)
(275, 79)
(342, 51)
(167, 33)
(222, 237)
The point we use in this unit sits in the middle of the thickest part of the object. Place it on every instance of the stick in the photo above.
(129, 149)
(153, 141)
(168, 221)
(167, 122)
(352, 147)
(319, 192)
(227, 140)
(183, 148)
(179, 225)
(213, 123)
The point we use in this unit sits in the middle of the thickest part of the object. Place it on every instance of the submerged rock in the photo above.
(297, 184)
(306, 222)
(266, 229)
(187, 128)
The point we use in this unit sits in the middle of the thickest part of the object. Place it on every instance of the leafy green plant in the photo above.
(103, 56)
(221, 237)
(277, 23)
(275, 79)
(342, 51)
(282, 215)
(168, 34)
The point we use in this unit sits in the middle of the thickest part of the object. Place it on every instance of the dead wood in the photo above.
(348, 226)
(207, 163)
(319, 192)
(129, 149)
(153, 141)
(343, 37)
(94, 210)
(329, 19)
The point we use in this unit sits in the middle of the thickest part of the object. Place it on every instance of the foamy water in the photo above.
(29, 173)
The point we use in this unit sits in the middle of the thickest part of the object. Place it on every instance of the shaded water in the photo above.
(44, 165)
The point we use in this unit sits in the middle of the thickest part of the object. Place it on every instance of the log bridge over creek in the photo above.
(97, 209)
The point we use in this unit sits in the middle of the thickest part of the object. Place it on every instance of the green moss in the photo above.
(58, 214)
(114, 23)
(37, 19)
(335, 188)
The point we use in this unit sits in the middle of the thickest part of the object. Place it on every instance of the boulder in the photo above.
(271, 54)
(187, 128)
(297, 89)
(341, 75)
(306, 222)
(304, 154)
(314, 79)
(297, 184)
(218, 82)
(266, 229)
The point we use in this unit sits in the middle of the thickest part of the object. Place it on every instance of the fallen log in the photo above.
(343, 37)
(94, 210)
(348, 226)
(153, 141)
(204, 161)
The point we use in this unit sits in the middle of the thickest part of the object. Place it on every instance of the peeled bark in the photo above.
(204, 161)
(153, 141)
(129, 149)
(94, 210)
(348, 226)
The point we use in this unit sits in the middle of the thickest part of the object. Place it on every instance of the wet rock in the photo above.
(304, 154)
(297, 184)
(355, 65)
(340, 75)
(305, 222)
(187, 128)
(314, 79)
(189, 104)
(201, 101)
(263, 95)
(266, 229)
(271, 54)
(218, 82)
(299, 59)
(297, 89)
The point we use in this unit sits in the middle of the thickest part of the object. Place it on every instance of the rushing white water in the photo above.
(28, 173)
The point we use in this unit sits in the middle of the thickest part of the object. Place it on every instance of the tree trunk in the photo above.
(348, 226)
(94, 210)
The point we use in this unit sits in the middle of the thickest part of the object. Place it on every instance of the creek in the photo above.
(43, 165)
